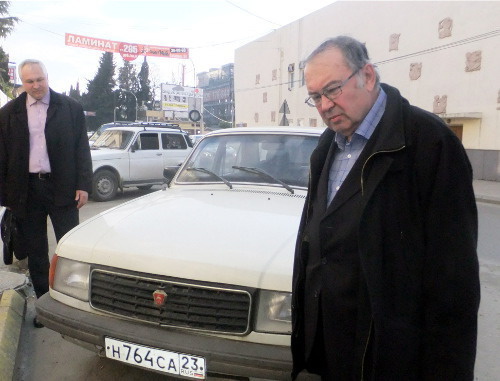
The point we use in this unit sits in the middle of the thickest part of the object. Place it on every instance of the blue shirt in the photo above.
(349, 151)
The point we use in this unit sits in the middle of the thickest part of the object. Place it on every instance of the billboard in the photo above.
(178, 101)
(128, 51)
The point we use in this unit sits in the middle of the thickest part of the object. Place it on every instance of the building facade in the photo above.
(218, 96)
(444, 56)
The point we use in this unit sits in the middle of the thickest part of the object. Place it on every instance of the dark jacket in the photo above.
(67, 145)
(417, 250)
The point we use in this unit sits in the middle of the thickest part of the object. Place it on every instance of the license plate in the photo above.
(158, 359)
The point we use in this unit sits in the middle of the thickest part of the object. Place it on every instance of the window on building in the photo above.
(313, 122)
(256, 117)
(257, 79)
(291, 76)
(273, 116)
(302, 79)
(264, 97)
(275, 75)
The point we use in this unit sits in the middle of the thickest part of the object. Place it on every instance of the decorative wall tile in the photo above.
(473, 61)
(415, 70)
(439, 106)
(445, 27)
(394, 41)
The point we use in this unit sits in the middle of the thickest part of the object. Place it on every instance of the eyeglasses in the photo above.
(330, 92)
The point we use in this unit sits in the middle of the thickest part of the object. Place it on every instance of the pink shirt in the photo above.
(37, 116)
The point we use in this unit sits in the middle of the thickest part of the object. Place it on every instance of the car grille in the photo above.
(188, 306)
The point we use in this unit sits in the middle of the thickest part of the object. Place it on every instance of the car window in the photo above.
(173, 141)
(284, 157)
(115, 139)
(147, 141)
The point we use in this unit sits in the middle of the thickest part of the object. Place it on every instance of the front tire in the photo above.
(104, 186)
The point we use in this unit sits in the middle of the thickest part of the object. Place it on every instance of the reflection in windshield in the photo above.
(284, 157)
(115, 139)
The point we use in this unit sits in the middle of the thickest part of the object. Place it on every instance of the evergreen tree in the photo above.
(145, 95)
(75, 92)
(6, 22)
(99, 97)
(6, 27)
(126, 95)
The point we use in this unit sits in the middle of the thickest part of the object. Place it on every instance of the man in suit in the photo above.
(386, 275)
(45, 166)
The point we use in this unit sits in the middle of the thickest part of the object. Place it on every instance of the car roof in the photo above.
(145, 128)
(269, 129)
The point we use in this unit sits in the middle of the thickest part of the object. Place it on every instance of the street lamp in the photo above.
(127, 91)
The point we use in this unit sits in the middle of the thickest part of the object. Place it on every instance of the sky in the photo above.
(211, 29)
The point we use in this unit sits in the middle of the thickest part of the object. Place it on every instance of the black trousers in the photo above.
(33, 229)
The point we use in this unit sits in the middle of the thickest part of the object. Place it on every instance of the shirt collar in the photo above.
(45, 100)
(367, 126)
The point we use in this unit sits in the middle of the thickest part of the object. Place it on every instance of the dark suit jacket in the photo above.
(417, 238)
(67, 145)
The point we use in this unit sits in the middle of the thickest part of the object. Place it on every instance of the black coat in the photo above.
(67, 146)
(417, 249)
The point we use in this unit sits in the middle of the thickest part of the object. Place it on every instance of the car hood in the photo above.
(238, 236)
(106, 153)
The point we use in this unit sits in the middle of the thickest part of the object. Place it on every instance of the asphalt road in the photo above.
(44, 355)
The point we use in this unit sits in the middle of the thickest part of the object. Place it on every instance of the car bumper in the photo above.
(223, 357)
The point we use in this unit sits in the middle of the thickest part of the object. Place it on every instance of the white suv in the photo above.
(194, 280)
(135, 156)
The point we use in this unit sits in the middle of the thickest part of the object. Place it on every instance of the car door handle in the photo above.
(158, 154)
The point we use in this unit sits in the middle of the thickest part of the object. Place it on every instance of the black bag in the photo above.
(9, 238)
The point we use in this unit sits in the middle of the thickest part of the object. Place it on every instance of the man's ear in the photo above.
(370, 76)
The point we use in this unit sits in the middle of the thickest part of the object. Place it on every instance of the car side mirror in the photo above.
(169, 173)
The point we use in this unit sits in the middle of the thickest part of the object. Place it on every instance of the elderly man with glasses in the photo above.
(386, 275)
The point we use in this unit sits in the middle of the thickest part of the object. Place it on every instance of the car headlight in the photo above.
(71, 277)
(274, 312)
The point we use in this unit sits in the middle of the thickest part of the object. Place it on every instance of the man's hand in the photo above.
(82, 197)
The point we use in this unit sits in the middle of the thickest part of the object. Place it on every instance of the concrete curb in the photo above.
(12, 310)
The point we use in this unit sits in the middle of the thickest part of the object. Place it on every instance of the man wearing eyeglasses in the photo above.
(386, 275)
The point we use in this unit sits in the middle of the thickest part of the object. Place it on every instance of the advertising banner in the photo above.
(177, 101)
(128, 51)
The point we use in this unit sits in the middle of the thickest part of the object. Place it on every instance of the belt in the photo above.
(40, 176)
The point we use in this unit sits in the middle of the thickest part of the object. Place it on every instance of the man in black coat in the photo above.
(386, 275)
(45, 166)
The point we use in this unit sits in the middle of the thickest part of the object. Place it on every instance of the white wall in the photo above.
(469, 94)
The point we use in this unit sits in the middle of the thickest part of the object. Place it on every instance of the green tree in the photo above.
(74, 92)
(7, 24)
(126, 96)
(145, 95)
(99, 97)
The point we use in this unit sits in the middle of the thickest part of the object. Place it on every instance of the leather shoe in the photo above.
(37, 324)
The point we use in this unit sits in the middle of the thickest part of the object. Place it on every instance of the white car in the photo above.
(135, 156)
(195, 279)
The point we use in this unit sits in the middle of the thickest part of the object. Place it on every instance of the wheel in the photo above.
(144, 187)
(104, 186)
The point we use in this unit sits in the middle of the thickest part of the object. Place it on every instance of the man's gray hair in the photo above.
(31, 61)
(354, 52)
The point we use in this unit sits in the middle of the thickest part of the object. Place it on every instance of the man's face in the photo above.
(34, 81)
(346, 112)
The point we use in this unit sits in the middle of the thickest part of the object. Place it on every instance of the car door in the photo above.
(146, 158)
(175, 148)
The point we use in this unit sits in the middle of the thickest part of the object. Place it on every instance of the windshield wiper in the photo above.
(204, 170)
(264, 173)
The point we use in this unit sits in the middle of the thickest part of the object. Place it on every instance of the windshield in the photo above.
(251, 158)
(115, 139)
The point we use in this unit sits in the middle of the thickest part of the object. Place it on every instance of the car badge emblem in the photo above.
(159, 297)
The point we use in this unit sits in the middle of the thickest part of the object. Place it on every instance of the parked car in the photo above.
(195, 279)
(135, 156)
